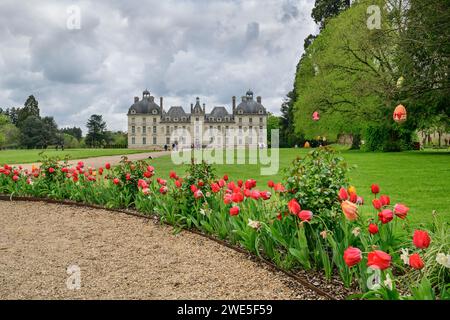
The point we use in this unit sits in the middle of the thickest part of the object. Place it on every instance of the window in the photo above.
(154, 129)
(261, 120)
(250, 120)
(167, 129)
(144, 130)
(132, 120)
(240, 120)
(144, 140)
(144, 120)
(167, 140)
(175, 119)
(133, 140)
(133, 111)
(240, 130)
(196, 119)
(260, 111)
(154, 111)
(133, 129)
(154, 140)
(154, 120)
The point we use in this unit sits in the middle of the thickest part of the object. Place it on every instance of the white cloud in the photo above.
(177, 49)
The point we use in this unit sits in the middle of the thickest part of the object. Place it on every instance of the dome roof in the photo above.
(146, 105)
(250, 107)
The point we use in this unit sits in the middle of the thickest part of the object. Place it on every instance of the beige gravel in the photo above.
(123, 257)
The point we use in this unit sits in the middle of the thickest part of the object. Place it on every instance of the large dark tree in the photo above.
(31, 108)
(96, 131)
(326, 9)
(32, 133)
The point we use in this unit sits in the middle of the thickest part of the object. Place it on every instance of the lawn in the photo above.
(419, 179)
(28, 156)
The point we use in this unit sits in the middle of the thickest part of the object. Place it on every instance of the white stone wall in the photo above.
(149, 132)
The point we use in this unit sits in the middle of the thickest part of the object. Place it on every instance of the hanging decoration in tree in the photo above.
(315, 116)
(400, 114)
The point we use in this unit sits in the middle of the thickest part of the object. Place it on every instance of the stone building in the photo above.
(150, 126)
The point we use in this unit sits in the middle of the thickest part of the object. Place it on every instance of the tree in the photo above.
(325, 9)
(96, 131)
(32, 133)
(9, 134)
(49, 132)
(273, 123)
(74, 132)
(31, 108)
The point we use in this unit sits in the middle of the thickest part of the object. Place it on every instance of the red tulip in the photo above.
(401, 210)
(343, 195)
(375, 189)
(279, 187)
(215, 187)
(265, 195)
(353, 198)
(100, 171)
(255, 194)
(385, 216)
(294, 207)
(237, 197)
(305, 215)
(194, 188)
(378, 260)
(200, 183)
(225, 177)
(240, 183)
(107, 166)
(377, 204)
(234, 211)
(128, 176)
(178, 183)
(227, 198)
(247, 193)
(415, 261)
(373, 228)
(350, 210)
(250, 183)
(385, 200)
(352, 256)
(148, 174)
(221, 183)
(163, 190)
(150, 168)
(198, 194)
(172, 175)
(116, 181)
(15, 178)
(51, 170)
(270, 184)
(231, 185)
(421, 239)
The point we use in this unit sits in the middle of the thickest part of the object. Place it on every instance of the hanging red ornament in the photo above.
(315, 116)
(400, 114)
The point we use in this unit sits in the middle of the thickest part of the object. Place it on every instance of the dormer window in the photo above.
(154, 111)
(260, 111)
(175, 119)
(240, 112)
(219, 119)
(133, 111)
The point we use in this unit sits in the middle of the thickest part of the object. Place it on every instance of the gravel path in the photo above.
(123, 257)
(97, 162)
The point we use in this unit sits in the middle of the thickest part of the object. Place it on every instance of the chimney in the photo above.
(161, 102)
(192, 107)
(244, 98)
(233, 99)
(136, 99)
(258, 99)
(204, 108)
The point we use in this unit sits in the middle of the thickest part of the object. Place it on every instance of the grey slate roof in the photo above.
(146, 105)
(250, 106)
(176, 112)
(219, 113)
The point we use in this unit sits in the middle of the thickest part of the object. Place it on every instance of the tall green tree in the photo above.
(96, 131)
(31, 108)
(325, 9)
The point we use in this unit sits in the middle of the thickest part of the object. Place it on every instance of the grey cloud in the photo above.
(177, 49)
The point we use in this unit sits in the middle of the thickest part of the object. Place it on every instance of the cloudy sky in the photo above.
(178, 49)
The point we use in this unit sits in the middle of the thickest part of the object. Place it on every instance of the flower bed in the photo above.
(312, 220)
